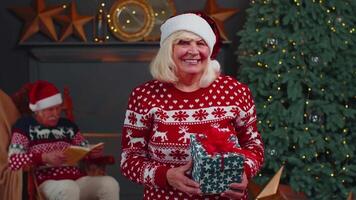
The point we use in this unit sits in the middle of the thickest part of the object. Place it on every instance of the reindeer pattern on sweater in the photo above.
(160, 119)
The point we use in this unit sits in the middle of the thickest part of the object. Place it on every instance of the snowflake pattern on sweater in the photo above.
(160, 119)
(31, 139)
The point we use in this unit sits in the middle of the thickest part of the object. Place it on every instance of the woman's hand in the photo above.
(54, 158)
(177, 178)
(236, 189)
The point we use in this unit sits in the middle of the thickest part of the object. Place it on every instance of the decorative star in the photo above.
(38, 19)
(273, 190)
(219, 15)
(73, 23)
(350, 196)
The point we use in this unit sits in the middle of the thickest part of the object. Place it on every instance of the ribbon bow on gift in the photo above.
(218, 142)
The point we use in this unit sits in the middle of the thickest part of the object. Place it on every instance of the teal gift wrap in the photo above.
(215, 172)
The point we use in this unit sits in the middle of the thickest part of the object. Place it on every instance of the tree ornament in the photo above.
(38, 19)
(272, 152)
(272, 41)
(316, 117)
(73, 23)
(220, 15)
(315, 59)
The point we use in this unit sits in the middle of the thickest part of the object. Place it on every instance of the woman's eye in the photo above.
(201, 43)
(183, 42)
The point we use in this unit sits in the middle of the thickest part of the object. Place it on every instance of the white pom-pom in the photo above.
(215, 65)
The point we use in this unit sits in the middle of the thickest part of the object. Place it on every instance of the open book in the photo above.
(76, 153)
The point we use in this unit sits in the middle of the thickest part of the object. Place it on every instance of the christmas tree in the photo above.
(298, 57)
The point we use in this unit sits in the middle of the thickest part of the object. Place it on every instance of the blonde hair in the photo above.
(163, 67)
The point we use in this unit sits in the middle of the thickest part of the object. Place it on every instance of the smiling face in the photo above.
(49, 116)
(190, 55)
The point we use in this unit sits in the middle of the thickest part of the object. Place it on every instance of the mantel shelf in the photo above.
(94, 52)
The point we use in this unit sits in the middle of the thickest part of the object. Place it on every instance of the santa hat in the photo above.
(43, 95)
(198, 23)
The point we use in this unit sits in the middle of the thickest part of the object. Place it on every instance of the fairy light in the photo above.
(101, 24)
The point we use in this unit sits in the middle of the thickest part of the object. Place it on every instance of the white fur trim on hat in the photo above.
(47, 102)
(189, 22)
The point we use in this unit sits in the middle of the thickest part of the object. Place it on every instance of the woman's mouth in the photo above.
(191, 61)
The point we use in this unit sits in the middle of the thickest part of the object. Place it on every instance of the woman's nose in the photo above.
(193, 49)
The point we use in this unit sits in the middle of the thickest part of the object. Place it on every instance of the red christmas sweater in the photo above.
(31, 139)
(160, 119)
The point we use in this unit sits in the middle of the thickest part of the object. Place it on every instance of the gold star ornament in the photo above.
(73, 23)
(350, 196)
(274, 190)
(220, 15)
(38, 19)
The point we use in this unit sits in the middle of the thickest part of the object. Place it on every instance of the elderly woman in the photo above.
(187, 96)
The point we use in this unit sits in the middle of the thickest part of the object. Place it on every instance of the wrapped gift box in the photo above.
(215, 172)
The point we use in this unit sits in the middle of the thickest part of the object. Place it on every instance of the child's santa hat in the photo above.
(43, 95)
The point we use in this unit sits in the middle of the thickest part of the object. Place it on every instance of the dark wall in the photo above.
(99, 89)
(15, 59)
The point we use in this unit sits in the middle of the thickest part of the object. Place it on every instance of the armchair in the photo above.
(92, 167)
